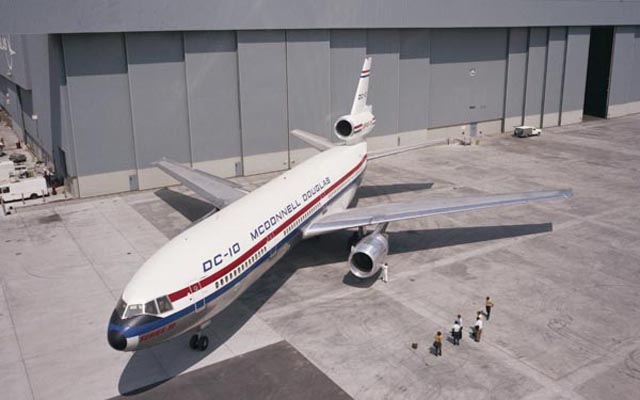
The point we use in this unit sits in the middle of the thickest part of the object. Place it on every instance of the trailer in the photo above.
(30, 188)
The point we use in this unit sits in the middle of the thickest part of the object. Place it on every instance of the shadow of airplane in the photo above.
(381, 190)
(190, 207)
(141, 373)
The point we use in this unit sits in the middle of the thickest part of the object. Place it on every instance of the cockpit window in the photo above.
(133, 310)
(120, 307)
(151, 308)
(164, 304)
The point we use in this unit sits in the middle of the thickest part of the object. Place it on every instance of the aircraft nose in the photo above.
(117, 340)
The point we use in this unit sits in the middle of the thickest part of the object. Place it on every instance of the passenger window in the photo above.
(151, 308)
(217, 284)
(164, 304)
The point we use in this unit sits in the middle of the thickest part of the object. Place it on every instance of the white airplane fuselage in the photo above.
(206, 267)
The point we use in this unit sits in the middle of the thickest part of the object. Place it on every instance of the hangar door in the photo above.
(598, 71)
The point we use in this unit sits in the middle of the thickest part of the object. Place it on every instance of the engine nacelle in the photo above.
(354, 126)
(367, 256)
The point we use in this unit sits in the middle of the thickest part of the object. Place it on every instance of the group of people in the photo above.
(457, 328)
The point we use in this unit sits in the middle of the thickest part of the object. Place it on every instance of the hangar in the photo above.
(101, 90)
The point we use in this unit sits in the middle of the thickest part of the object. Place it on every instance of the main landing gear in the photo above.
(199, 342)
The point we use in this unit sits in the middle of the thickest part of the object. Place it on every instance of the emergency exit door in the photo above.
(197, 296)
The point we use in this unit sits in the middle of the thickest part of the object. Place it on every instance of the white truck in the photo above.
(29, 188)
(526, 131)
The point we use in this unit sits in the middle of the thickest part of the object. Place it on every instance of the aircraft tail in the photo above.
(360, 99)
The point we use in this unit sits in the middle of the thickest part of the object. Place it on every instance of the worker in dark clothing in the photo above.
(478, 329)
(437, 344)
(459, 321)
(488, 304)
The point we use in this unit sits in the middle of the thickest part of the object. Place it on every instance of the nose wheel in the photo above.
(199, 342)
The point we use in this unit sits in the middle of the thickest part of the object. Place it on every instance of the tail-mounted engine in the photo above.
(367, 256)
(353, 126)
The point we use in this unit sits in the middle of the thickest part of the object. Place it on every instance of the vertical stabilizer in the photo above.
(360, 100)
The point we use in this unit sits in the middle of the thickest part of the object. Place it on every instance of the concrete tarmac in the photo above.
(564, 276)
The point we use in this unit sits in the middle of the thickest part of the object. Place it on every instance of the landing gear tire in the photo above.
(193, 342)
(203, 343)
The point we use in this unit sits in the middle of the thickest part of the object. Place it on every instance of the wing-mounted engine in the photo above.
(357, 124)
(367, 256)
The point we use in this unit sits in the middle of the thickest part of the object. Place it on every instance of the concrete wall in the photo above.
(467, 76)
(211, 64)
(516, 77)
(66, 16)
(556, 51)
(625, 66)
(223, 101)
(575, 75)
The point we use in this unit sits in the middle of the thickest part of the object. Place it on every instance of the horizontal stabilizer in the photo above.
(217, 191)
(314, 140)
(390, 212)
(396, 150)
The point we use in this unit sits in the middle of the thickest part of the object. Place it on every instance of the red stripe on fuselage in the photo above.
(179, 294)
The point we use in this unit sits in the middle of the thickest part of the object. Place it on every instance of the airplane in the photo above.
(198, 273)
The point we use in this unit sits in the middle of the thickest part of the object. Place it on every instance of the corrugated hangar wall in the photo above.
(224, 101)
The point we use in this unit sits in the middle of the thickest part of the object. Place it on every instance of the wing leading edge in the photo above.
(217, 191)
(390, 212)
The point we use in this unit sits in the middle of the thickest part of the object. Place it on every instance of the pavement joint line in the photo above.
(117, 229)
(505, 357)
(17, 337)
(602, 364)
(86, 257)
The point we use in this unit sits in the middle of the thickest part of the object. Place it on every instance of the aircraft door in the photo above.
(271, 242)
(197, 296)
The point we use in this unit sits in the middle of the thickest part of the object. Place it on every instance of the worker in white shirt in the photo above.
(478, 329)
(385, 273)
(456, 333)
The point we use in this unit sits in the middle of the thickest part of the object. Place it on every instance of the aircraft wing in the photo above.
(316, 141)
(390, 212)
(217, 191)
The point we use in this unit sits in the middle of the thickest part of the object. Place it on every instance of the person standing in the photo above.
(488, 304)
(459, 322)
(456, 333)
(478, 328)
(385, 273)
(437, 344)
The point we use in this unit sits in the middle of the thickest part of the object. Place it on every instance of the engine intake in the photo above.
(367, 256)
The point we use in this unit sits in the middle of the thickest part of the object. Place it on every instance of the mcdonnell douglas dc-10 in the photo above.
(205, 268)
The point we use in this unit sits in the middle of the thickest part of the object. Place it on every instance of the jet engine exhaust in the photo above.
(344, 128)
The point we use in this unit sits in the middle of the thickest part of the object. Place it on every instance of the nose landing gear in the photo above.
(199, 342)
